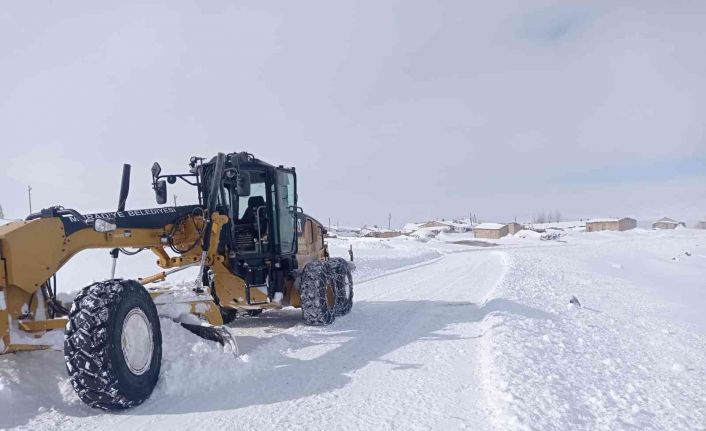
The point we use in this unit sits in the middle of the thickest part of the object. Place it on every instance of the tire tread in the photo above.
(85, 346)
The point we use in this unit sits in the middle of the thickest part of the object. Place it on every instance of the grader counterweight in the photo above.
(254, 247)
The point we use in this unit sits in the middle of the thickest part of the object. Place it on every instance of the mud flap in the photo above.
(219, 334)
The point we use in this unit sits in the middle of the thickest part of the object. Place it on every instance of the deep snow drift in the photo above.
(442, 336)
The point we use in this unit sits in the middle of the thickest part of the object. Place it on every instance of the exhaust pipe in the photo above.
(124, 190)
(124, 187)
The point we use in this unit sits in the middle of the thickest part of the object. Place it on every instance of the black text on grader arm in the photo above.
(254, 247)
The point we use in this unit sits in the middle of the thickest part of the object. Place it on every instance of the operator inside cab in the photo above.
(255, 213)
(250, 225)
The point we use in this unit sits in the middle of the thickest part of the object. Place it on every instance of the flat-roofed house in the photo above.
(374, 232)
(513, 228)
(667, 223)
(618, 224)
(490, 230)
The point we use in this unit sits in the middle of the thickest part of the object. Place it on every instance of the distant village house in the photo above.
(379, 233)
(433, 223)
(617, 224)
(384, 234)
(667, 223)
(513, 228)
(490, 230)
(449, 226)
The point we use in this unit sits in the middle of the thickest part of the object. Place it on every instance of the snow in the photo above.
(489, 226)
(525, 233)
(607, 365)
(411, 227)
(442, 336)
(604, 220)
(561, 225)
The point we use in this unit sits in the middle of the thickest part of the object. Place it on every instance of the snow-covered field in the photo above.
(442, 336)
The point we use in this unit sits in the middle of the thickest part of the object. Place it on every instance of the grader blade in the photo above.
(218, 334)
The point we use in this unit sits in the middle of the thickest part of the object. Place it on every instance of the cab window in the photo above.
(287, 211)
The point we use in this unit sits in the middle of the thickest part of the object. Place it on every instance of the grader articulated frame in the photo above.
(254, 247)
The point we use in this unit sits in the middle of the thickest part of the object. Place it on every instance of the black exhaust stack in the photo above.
(124, 190)
(124, 187)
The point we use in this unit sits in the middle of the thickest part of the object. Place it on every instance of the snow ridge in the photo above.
(553, 366)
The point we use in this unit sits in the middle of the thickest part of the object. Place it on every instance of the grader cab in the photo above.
(255, 249)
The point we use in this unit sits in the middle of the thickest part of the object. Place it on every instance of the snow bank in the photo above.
(617, 362)
(530, 234)
(375, 257)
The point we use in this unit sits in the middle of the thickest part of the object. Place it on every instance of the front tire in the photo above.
(318, 294)
(113, 345)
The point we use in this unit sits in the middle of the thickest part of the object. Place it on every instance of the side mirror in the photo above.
(160, 191)
(156, 170)
(242, 184)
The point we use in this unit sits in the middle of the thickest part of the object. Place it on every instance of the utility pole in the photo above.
(329, 224)
(175, 196)
(29, 197)
(2, 215)
(389, 221)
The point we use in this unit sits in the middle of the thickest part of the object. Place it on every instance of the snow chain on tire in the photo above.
(95, 347)
(343, 280)
(315, 281)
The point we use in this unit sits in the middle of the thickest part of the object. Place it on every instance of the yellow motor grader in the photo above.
(254, 247)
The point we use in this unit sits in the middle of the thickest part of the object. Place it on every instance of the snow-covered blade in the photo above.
(220, 335)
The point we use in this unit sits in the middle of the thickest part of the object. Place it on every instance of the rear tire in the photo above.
(113, 345)
(317, 292)
(343, 280)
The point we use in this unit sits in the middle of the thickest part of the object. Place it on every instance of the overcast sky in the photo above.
(420, 108)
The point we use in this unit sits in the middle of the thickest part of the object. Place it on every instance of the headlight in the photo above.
(101, 225)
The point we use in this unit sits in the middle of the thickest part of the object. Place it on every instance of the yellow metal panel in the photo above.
(42, 325)
(15, 299)
(230, 289)
(25, 347)
(291, 295)
(209, 311)
(32, 251)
